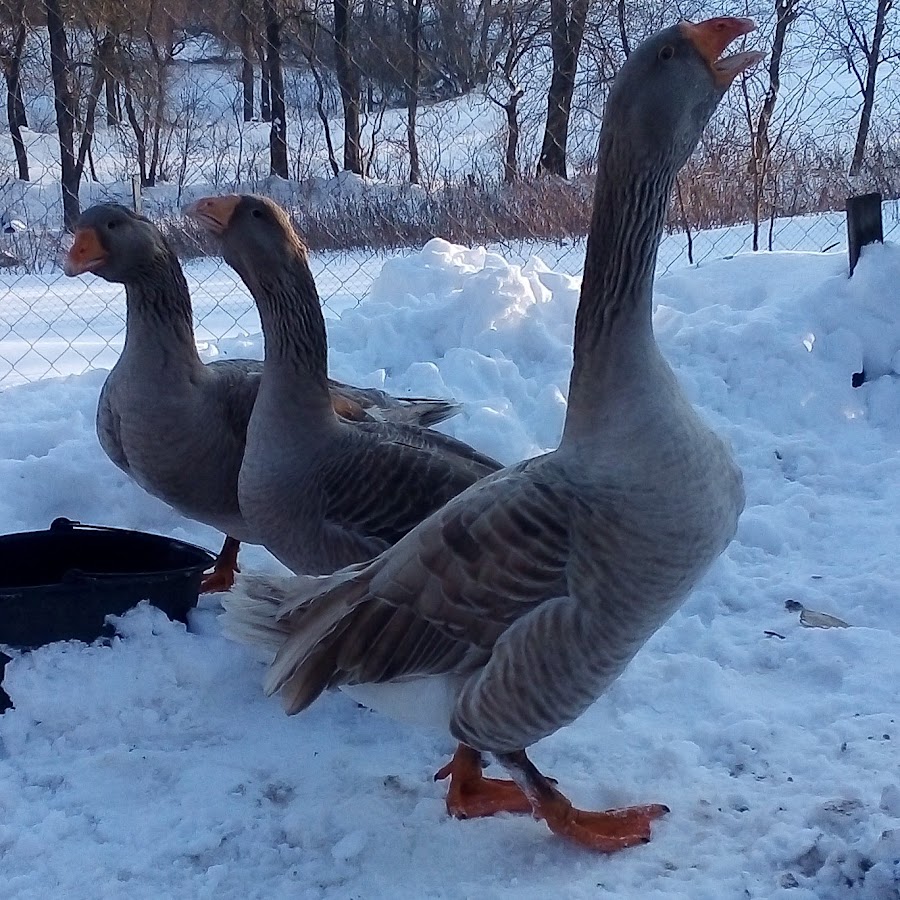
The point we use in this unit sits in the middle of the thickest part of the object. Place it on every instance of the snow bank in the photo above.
(152, 766)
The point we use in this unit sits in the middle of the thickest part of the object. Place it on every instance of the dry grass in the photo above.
(716, 190)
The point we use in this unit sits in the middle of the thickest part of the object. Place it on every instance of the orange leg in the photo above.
(222, 576)
(470, 794)
(614, 829)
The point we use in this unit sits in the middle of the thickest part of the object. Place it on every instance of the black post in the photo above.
(864, 224)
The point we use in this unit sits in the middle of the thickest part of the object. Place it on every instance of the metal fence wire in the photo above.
(383, 123)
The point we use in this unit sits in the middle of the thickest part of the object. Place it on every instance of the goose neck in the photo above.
(159, 320)
(292, 323)
(614, 342)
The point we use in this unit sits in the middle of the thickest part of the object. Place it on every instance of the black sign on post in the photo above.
(863, 224)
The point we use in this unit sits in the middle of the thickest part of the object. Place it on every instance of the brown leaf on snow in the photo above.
(812, 619)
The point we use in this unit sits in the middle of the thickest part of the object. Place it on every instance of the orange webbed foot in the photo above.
(222, 576)
(608, 831)
(471, 795)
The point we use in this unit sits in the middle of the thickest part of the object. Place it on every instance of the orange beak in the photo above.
(213, 213)
(713, 36)
(86, 254)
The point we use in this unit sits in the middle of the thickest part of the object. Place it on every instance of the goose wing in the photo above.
(238, 382)
(358, 404)
(382, 481)
(109, 429)
(436, 602)
(235, 384)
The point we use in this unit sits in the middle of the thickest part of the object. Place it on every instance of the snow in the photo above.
(153, 766)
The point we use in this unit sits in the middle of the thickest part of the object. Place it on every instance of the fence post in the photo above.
(136, 193)
(864, 224)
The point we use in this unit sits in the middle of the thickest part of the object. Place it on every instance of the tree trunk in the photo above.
(323, 115)
(873, 59)
(160, 89)
(265, 93)
(139, 136)
(684, 221)
(246, 63)
(15, 106)
(112, 106)
(786, 12)
(101, 55)
(623, 29)
(278, 156)
(565, 44)
(413, 33)
(348, 81)
(65, 113)
(510, 160)
(107, 64)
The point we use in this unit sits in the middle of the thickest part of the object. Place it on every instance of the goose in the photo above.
(529, 593)
(321, 492)
(175, 425)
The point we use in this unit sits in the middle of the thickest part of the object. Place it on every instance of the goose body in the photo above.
(528, 594)
(321, 492)
(173, 424)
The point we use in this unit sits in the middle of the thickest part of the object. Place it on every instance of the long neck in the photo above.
(159, 325)
(613, 329)
(293, 326)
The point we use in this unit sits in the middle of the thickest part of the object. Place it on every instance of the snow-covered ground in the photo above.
(154, 767)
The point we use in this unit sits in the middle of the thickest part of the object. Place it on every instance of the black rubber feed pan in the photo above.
(62, 583)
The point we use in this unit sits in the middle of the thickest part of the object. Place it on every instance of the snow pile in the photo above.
(153, 766)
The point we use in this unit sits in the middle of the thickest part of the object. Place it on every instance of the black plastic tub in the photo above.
(62, 583)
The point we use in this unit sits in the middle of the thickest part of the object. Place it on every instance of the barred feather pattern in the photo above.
(536, 586)
(321, 492)
(178, 427)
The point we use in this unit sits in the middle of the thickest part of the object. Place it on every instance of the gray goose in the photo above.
(541, 582)
(321, 492)
(173, 424)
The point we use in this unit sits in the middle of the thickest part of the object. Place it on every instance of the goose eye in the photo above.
(256, 214)
(110, 225)
(667, 52)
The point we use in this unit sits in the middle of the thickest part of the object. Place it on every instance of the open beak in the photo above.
(713, 36)
(86, 254)
(213, 213)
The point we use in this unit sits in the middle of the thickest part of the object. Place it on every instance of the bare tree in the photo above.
(102, 52)
(244, 31)
(308, 40)
(265, 92)
(12, 50)
(520, 25)
(111, 85)
(566, 33)
(348, 81)
(860, 37)
(786, 13)
(511, 109)
(621, 20)
(147, 51)
(278, 155)
(414, 77)
(60, 72)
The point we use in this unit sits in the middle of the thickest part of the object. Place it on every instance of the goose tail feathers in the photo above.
(418, 411)
(292, 619)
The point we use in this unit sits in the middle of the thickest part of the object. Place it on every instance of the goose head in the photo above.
(255, 232)
(115, 243)
(668, 88)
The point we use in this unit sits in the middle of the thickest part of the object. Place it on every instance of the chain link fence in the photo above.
(383, 124)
